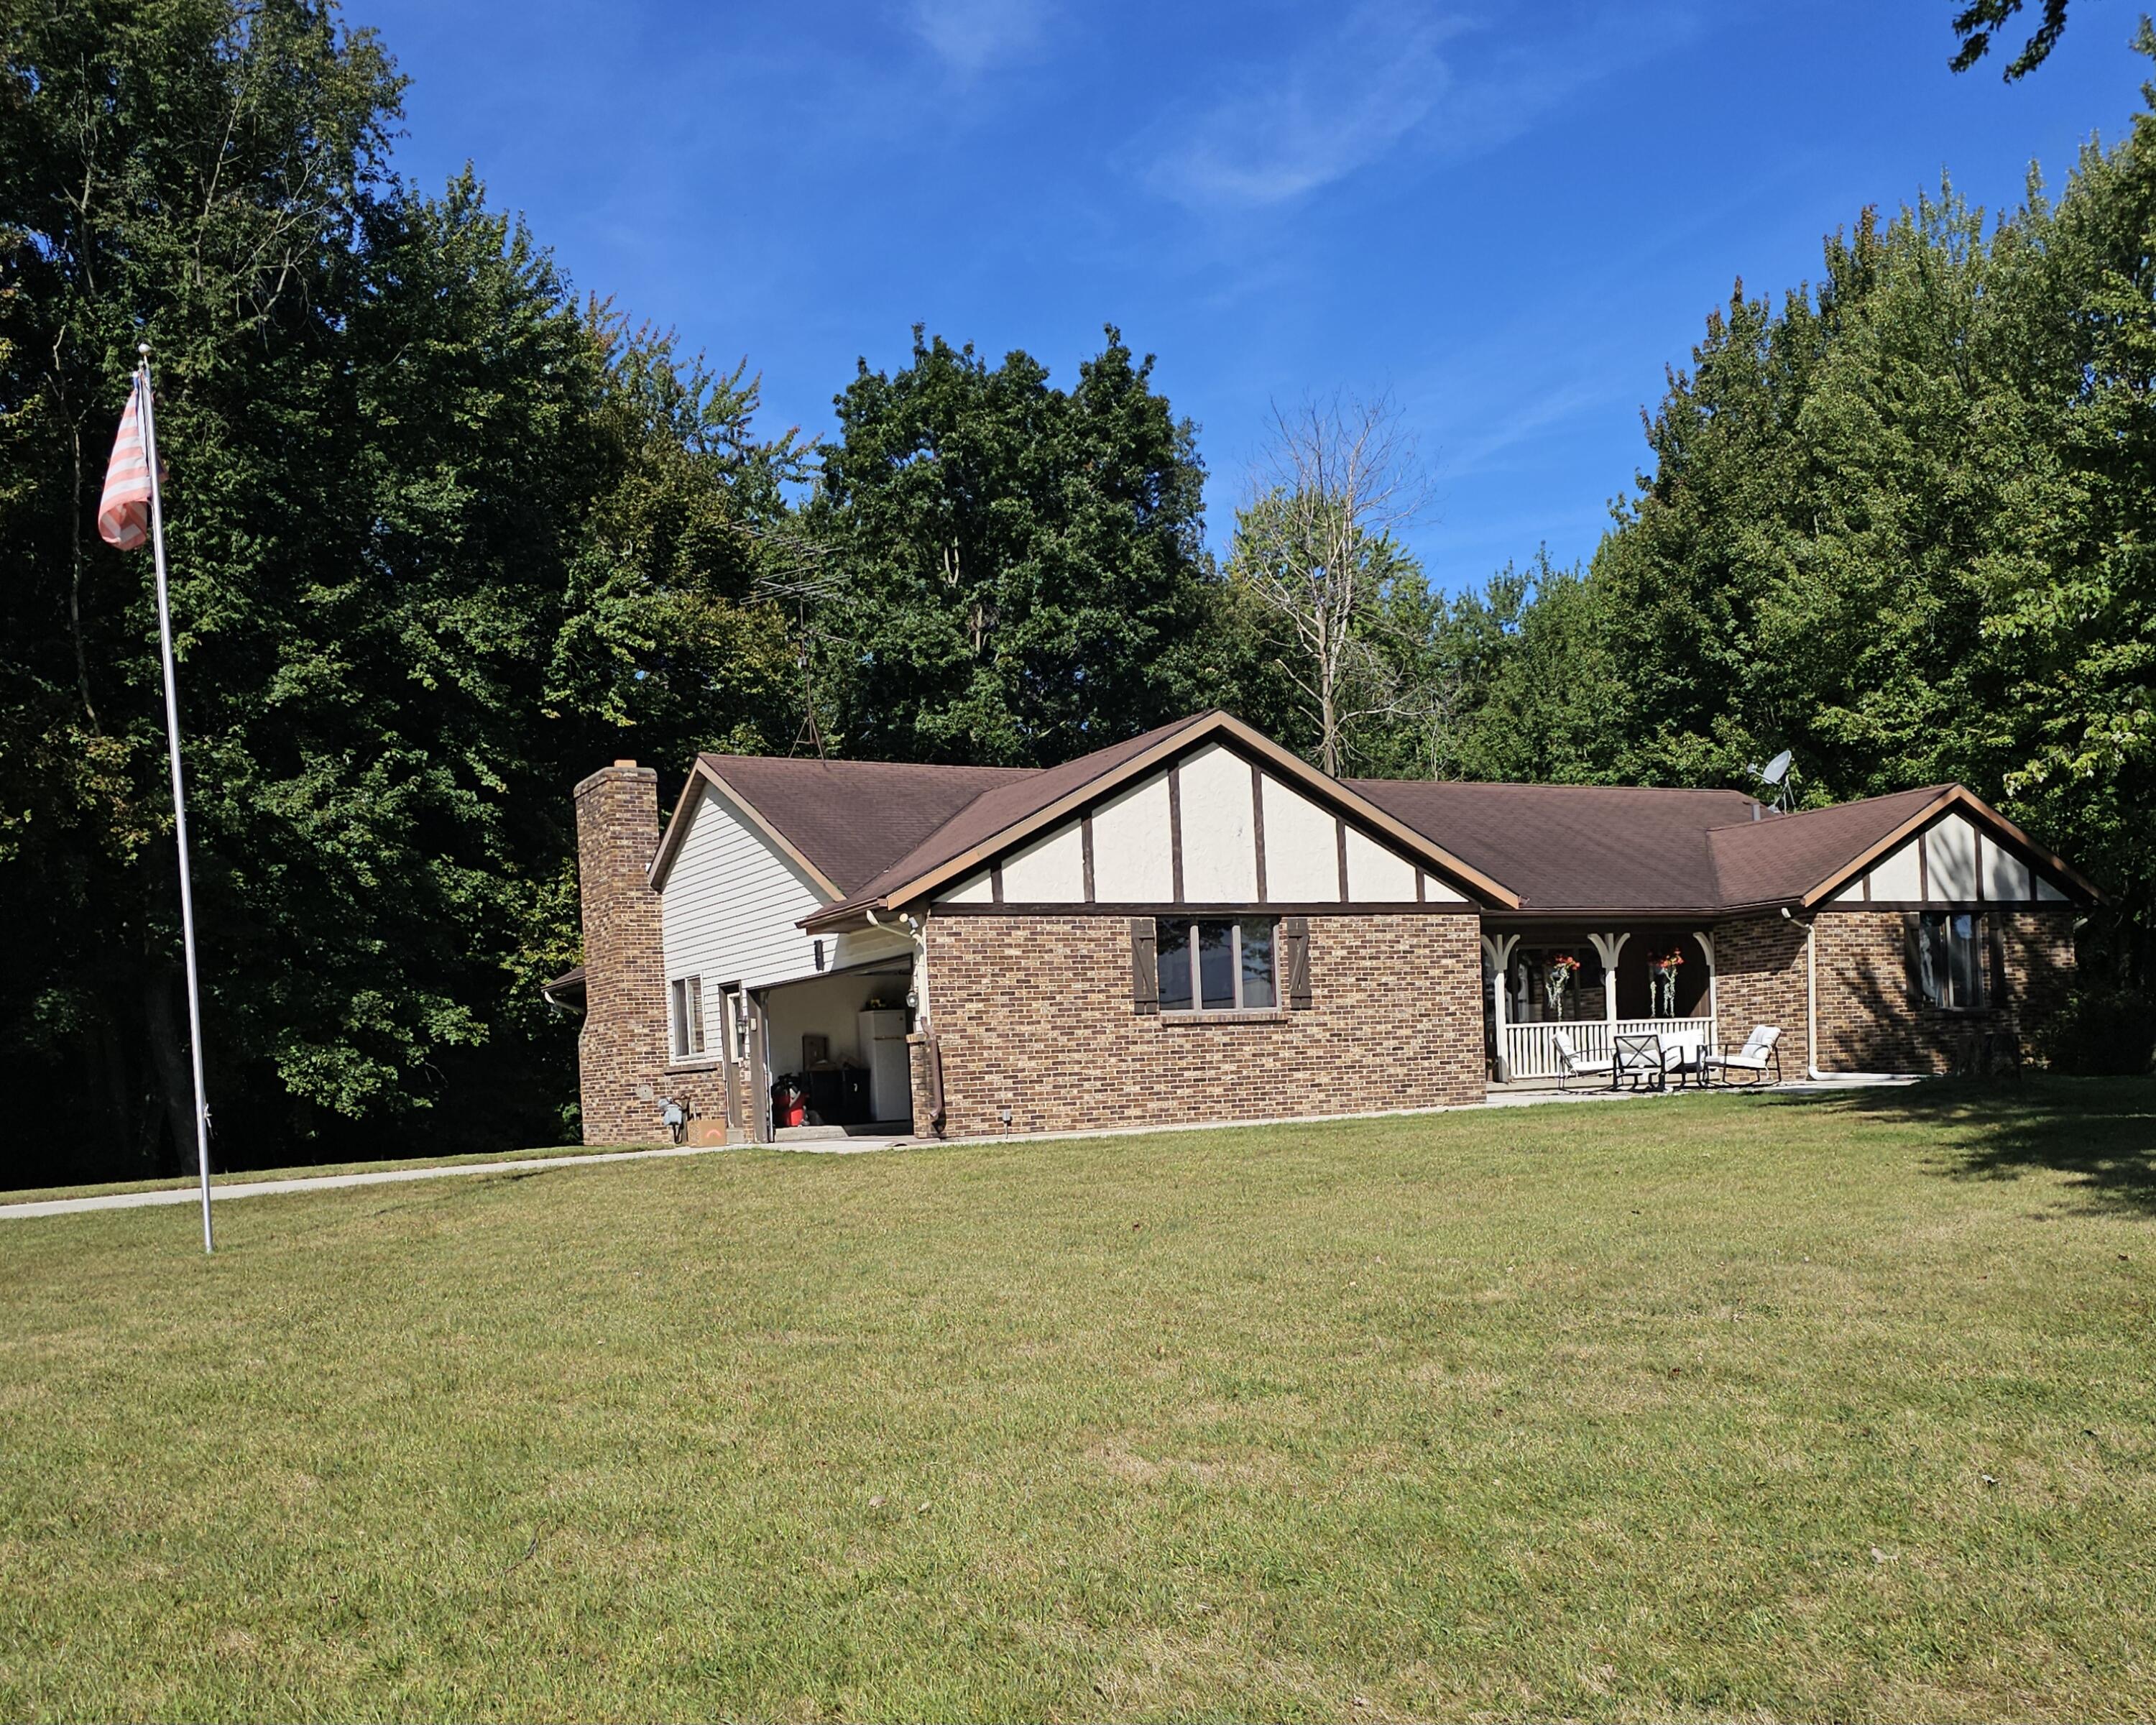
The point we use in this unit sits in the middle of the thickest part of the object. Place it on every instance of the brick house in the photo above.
(1196, 925)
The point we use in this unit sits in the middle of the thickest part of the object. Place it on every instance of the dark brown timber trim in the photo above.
(1323, 907)
(1340, 845)
(1257, 823)
(1086, 845)
(1175, 826)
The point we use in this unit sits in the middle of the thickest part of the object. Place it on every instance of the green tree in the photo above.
(1018, 575)
(442, 535)
(1978, 21)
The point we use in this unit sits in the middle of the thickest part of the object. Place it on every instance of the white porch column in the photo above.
(1498, 948)
(1607, 947)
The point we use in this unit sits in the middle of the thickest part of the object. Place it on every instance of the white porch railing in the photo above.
(1530, 1049)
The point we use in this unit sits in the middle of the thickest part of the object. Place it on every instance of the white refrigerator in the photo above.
(890, 1075)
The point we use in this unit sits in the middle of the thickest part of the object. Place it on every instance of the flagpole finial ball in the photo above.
(142, 348)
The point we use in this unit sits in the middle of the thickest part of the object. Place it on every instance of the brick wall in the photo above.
(1034, 1012)
(1868, 1022)
(621, 1051)
(1759, 979)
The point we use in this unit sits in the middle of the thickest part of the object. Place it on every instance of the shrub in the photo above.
(2101, 1030)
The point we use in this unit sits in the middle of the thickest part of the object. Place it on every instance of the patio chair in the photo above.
(1759, 1056)
(1572, 1064)
(1640, 1059)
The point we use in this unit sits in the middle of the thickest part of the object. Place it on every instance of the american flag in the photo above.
(123, 514)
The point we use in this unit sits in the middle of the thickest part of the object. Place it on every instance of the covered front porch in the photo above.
(1590, 985)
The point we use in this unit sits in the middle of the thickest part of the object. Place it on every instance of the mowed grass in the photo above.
(1725, 1406)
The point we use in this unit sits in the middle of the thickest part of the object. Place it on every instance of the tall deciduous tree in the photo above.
(1316, 547)
(442, 536)
(1020, 571)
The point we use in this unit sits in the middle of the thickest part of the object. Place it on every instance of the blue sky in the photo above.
(1510, 218)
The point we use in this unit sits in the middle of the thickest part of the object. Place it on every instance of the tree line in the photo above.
(445, 533)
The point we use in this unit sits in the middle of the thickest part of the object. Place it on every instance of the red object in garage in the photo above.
(789, 1107)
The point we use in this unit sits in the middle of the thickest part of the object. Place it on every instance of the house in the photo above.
(1196, 925)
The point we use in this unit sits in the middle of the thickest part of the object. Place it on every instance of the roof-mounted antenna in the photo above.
(1776, 773)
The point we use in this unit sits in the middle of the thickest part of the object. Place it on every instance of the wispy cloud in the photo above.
(971, 36)
(1386, 77)
(1288, 127)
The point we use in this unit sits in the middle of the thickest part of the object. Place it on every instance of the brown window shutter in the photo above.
(1295, 961)
(1912, 954)
(1145, 966)
(1994, 940)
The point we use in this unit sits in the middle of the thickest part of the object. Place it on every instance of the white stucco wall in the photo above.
(1302, 848)
(1051, 870)
(1898, 875)
(1219, 839)
(1374, 874)
(1438, 893)
(1950, 859)
(2005, 875)
(1960, 857)
(1133, 863)
(974, 890)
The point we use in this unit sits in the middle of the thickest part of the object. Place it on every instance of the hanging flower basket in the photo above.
(1665, 982)
(1558, 978)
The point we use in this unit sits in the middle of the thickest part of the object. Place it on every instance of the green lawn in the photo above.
(1717, 1406)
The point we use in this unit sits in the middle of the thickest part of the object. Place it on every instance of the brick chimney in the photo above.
(621, 1052)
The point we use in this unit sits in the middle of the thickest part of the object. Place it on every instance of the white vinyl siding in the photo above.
(732, 902)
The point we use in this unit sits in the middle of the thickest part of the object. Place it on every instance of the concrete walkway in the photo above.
(839, 1146)
(220, 1191)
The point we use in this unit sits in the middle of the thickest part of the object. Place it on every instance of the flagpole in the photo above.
(179, 797)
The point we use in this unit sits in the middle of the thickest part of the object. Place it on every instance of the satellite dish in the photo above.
(1776, 770)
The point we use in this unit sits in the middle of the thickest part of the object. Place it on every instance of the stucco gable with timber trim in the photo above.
(1237, 780)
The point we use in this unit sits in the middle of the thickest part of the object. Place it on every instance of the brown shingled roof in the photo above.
(870, 830)
(853, 818)
(1771, 861)
(1575, 849)
(1004, 804)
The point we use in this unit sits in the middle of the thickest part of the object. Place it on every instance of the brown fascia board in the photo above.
(1213, 724)
(703, 773)
(1954, 796)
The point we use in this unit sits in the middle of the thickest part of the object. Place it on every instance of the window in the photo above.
(687, 1014)
(1217, 967)
(1951, 969)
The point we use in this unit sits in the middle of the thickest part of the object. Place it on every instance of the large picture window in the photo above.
(1952, 971)
(1223, 966)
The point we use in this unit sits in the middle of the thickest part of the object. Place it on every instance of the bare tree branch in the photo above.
(1337, 480)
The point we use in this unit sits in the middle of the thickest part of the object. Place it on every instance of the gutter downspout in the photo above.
(917, 929)
(1811, 1000)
